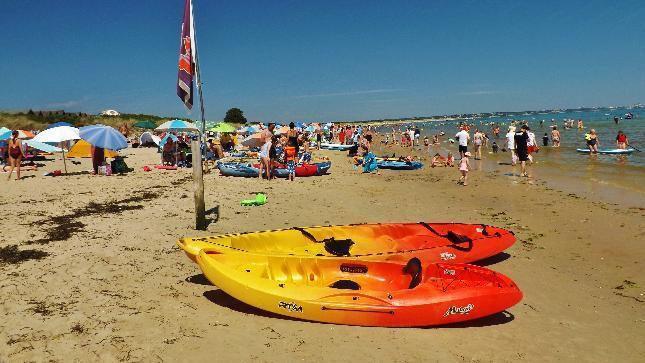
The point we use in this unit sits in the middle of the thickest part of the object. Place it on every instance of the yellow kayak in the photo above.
(368, 293)
(430, 242)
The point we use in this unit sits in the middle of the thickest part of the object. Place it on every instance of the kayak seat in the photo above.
(338, 247)
(457, 238)
(413, 268)
(345, 285)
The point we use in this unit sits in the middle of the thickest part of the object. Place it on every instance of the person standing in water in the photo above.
(621, 140)
(555, 136)
(15, 154)
(521, 148)
(463, 136)
(478, 140)
(592, 141)
(510, 144)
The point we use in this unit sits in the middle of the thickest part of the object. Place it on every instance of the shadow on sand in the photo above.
(502, 256)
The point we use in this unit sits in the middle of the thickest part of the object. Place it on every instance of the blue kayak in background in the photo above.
(399, 165)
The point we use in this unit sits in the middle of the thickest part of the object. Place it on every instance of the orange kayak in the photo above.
(354, 292)
(430, 242)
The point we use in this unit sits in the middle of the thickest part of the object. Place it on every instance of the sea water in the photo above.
(615, 178)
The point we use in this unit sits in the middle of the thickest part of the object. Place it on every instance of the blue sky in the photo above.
(324, 60)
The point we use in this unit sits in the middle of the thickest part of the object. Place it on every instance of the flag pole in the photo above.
(197, 147)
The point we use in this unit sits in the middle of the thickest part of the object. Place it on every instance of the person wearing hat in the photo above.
(510, 143)
(464, 167)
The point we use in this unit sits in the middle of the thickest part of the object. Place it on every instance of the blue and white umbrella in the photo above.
(177, 125)
(58, 124)
(42, 146)
(165, 139)
(104, 137)
(5, 133)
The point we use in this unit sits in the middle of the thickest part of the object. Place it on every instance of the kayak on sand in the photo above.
(430, 242)
(366, 293)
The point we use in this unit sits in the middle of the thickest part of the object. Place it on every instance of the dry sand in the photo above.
(107, 283)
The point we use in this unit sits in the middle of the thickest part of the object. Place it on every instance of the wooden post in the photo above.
(198, 185)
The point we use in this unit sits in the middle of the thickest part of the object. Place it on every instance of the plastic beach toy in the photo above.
(260, 199)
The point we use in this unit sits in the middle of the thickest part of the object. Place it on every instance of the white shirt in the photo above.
(463, 137)
(510, 139)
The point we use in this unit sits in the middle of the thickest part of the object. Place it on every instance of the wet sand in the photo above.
(90, 268)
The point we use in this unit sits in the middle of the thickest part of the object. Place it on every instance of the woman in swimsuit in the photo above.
(555, 136)
(15, 154)
(592, 141)
(621, 140)
(478, 140)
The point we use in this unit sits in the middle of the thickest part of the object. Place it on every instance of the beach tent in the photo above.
(222, 127)
(83, 149)
(148, 137)
(145, 124)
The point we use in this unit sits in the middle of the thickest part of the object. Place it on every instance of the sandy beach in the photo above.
(91, 271)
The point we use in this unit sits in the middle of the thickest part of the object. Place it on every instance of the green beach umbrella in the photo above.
(223, 127)
(145, 125)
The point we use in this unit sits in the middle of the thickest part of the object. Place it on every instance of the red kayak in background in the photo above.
(303, 170)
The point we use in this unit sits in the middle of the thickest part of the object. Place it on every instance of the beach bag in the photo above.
(119, 166)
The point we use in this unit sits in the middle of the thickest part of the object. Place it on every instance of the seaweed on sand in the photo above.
(12, 255)
(63, 227)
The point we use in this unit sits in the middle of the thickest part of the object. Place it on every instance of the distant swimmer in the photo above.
(580, 125)
(616, 119)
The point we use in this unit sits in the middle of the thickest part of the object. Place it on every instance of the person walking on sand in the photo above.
(521, 148)
(621, 140)
(510, 144)
(464, 167)
(555, 136)
(15, 154)
(265, 163)
(462, 137)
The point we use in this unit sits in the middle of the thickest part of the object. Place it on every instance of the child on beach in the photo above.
(464, 166)
(450, 160)
(290, 158)
(495, 147)
(438, 160)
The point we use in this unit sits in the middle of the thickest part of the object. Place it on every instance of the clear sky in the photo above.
(324, 60)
